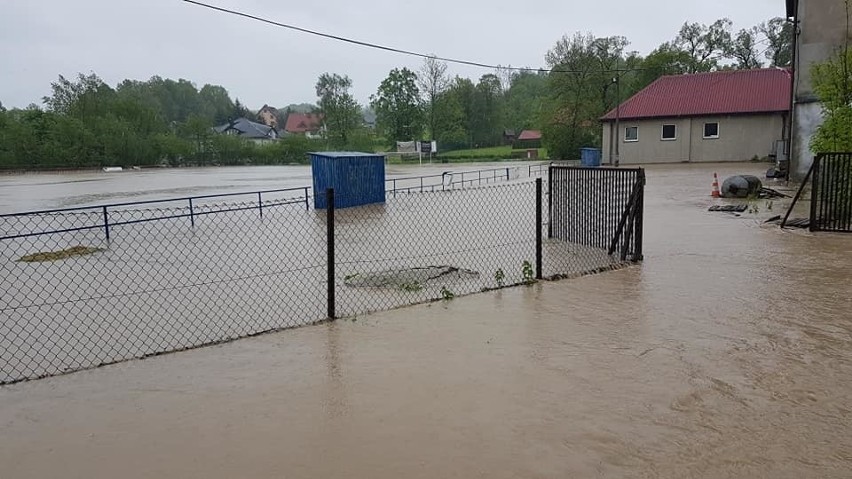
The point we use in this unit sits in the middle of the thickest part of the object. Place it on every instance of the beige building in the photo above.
(705, 117)
(268, 116)
(821, 31)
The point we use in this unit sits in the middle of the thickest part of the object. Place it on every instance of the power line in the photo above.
(393, 49)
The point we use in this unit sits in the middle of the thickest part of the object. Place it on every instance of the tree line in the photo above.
(86, 123)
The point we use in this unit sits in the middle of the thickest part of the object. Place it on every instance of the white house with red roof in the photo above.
(705, 117)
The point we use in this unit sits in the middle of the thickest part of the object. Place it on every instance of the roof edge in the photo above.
(739, 113)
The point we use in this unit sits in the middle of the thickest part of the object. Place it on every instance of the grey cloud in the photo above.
(261, 64)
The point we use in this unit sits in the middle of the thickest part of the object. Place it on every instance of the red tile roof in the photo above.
(716, 93)
(530, 135)
(303, 122)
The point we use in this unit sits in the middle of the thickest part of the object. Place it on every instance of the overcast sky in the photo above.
(260, 64)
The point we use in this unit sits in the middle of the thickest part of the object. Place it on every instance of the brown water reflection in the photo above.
(727, 354)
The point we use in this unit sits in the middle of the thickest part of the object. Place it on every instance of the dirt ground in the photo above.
(727, 354)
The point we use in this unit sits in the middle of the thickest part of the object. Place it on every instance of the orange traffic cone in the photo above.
(716, 193)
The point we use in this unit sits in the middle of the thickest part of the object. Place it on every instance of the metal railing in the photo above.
(102, 217)
(598, 207)
(831, 193)
(830, 180)
(463, 179)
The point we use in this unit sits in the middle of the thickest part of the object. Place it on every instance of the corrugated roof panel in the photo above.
(716, 93)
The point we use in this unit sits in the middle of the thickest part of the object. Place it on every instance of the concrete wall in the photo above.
(822, 32)
(740, 139)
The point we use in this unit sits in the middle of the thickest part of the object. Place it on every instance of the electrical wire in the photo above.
(398, 50)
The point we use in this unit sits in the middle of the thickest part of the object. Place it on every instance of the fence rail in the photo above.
(96, 286)
(190, 207)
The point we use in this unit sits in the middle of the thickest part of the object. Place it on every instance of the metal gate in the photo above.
(599, 208)
(831, 205)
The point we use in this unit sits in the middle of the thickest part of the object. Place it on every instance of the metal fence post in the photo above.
(538, 256)
(307, 203)
(639, 254)
(814, 195)
(260, 204)
(329, 197)
(106, 223)
(549, 202)
(191, 214)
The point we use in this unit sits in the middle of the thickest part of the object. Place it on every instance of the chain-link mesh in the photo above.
(99, 285)
(165, 280)
(424, 246)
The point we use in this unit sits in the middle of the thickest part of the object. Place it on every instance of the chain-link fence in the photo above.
(93, 286)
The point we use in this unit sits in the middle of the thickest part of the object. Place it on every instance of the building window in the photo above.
(669, 132)
(631, 133)
(711, 130)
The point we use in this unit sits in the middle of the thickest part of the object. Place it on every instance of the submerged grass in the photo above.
(48, 256)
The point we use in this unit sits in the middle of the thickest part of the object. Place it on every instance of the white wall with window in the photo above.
(695, 139)
(711, 130)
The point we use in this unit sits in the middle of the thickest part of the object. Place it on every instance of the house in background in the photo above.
(821, 31)
(268, 116)
(509, 136)
(308, 124)
(369, 117)
(249, 130)
(705, 117)
(527, 139)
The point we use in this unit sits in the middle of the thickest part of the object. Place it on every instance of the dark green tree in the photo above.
(705, 44)
(486, 123)
(525, 99)
(667, 59)
(433, 81)
(779, 33)
(743, 50)
(574, 104)
(397, 104)
(341, 113)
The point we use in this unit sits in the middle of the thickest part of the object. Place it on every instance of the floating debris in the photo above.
(43, 257)
(729, 208)
(803, 223)
(770, 193)
(409, 278)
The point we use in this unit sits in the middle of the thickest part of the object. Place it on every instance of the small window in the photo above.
(711, 130)
(631, 133)
(669, 132)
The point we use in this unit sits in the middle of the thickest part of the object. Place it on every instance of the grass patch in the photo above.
(490, 154)
(494, 153)
(48, 256)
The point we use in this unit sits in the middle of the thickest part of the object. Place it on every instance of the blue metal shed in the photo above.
(357, 178)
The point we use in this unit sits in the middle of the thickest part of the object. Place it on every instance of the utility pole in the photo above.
(617, 139)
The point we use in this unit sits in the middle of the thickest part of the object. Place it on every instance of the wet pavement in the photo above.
(727, 354)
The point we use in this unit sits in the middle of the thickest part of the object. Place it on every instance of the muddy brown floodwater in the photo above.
(727, 354)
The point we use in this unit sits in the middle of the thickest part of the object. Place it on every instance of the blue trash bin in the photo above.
(590, 157)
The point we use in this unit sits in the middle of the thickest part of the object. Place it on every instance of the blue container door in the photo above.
(359, 181)
(321, 172)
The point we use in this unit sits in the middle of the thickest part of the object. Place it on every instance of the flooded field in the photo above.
(40, 191)
(727, 354)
